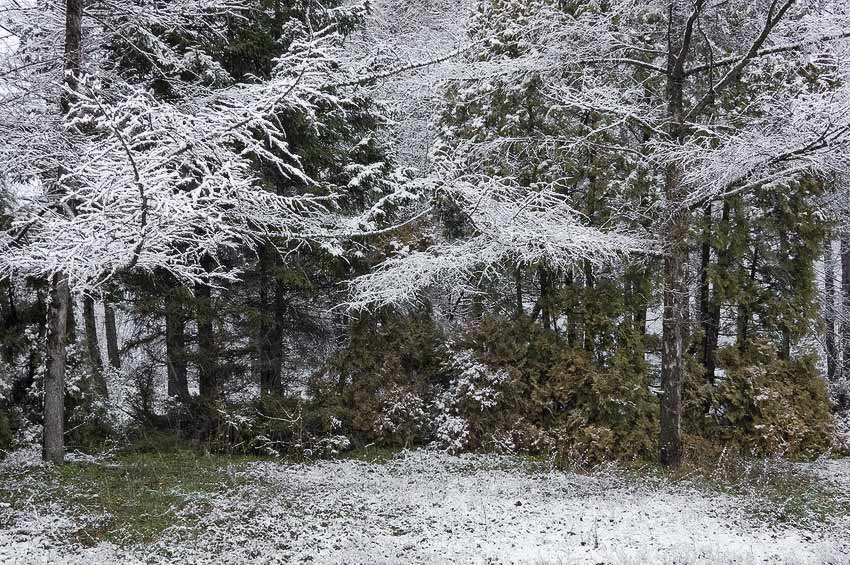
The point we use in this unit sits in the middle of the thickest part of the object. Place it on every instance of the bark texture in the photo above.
(269, 337)
(829, 309)
(208, 381)
(845, 301)
(93, 346)
(60, 294)
(676, 245)
(175, 346)
(112, 350)
(54, 380)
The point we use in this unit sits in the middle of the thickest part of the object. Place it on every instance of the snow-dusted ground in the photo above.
(426, 507)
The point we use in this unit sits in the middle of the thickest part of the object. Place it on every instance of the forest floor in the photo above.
(417, 507)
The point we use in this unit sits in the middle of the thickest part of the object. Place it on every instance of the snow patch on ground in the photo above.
(38, 533)
(427, 507)
(836, 471)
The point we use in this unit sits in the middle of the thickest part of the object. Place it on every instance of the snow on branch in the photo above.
(809, 135)
(157, 183)
(512, 226)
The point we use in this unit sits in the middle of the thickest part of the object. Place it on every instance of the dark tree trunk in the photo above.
(545, 298)
(829, 308)
(98, 381)
(641, 292)
(743, 326)
(73, 48)
(640, 316)
(676, 254)
(845, 302)
(704, 264)
(572, 322)
(636, 295)
(71, 321)
(520, 311)
(589, 330)
(712, 339)
(628, 299)
(54, 379)
(785, 345)
(175, 345)
(269, 338)
(112, 350)
(672, 353)
(208, 384)
(744, 311)
(10, 320)
(207, 351)
(711, 316)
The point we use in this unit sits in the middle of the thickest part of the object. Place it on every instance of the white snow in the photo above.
(428, 507)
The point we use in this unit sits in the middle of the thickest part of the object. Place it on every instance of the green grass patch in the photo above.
(139, 495)
(136, 496)
(371, 454)
(130, 499)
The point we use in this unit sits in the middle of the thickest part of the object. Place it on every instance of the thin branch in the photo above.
(769, 25)
(725, 62)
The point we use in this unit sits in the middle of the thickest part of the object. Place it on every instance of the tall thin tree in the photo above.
(57, 312)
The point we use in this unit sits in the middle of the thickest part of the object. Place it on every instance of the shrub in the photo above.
(552, 397)
(608, 412)
(402, 419)
(377, 385)
(766, 405)
(466, 410)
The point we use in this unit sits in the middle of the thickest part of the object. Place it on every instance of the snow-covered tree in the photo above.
(143, 138)
(710, 100)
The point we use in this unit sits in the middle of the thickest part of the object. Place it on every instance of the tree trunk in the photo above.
(208, 384)
(712, 339)
(60, 294)
(71, 321)
(175, 346)
(845, 302)
(829, 308)
(73, 48)
(112, 350)
(705, 262)
(10, 320)
(711, 316)
(785, 345)
(672, 354)
(545, 298)
(269, 338)
(635, 296)
(520, 311)
(572, 322)
(744, 312)
(98, 381)
(589, 295)
(675, 258)
(54, 379)
(640, 315)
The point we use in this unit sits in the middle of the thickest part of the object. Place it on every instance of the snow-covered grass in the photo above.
(417, 507)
